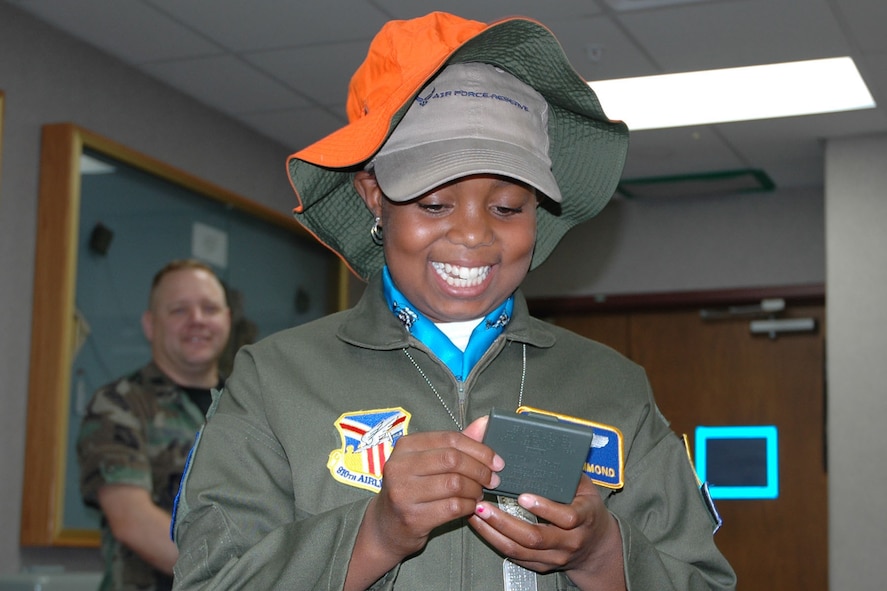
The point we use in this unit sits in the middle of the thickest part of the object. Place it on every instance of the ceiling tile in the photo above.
(793, 152)
(686, 150)
(873, 68)
(226, 83)
(600, 51)
(546, 12)
(269, 24)
(865, 20)
(131, 30)
(321, 72)
(736, 33)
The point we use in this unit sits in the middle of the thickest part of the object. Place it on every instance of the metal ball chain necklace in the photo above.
(440, 399)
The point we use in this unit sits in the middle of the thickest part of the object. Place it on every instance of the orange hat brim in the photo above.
(381, 87)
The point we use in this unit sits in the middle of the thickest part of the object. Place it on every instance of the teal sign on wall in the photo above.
(739, 462)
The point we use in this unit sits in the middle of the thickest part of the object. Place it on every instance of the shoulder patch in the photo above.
(716, 519)
(368, 437)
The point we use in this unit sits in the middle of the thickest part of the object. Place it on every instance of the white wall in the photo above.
(856, 261)
(705, 243)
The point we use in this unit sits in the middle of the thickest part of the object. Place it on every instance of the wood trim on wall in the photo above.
(792, 294)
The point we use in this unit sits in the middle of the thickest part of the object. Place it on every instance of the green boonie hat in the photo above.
(587, 150)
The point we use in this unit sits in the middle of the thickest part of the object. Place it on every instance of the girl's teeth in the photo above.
(458, 276)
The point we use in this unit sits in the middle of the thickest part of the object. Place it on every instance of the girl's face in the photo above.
(461, 249)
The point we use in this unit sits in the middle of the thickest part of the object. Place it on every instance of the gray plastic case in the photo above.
(543, 455)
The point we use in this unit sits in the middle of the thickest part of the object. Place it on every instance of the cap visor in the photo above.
(408, 174)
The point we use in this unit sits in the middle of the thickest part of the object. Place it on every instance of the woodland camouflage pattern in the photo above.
(137, 430)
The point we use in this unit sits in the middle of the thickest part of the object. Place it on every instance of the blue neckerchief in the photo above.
(459, 363)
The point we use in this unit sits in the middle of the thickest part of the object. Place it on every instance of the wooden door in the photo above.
(715, 372)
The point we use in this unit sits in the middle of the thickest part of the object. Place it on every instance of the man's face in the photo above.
(188, 324)
(460, 250)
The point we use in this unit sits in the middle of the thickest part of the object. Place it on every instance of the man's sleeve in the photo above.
(111, 446)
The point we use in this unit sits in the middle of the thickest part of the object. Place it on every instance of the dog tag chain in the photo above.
(516, 577)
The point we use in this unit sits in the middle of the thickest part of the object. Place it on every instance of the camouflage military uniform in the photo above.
(137, 430)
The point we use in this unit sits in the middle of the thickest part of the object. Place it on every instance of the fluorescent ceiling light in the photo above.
(735, 94)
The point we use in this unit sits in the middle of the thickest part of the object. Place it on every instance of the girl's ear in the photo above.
(366, 186)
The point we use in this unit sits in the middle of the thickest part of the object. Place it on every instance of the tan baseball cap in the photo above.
(473, 118)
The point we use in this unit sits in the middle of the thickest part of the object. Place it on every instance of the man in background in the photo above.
(137, 432)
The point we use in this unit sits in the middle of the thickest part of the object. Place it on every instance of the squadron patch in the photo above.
(368, 437)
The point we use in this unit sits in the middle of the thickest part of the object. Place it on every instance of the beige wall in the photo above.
(662, 245)
(856, 260)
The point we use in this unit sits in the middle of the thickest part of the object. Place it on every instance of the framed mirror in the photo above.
(108, 219)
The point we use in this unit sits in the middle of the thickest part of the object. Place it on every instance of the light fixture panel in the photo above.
(735, 94)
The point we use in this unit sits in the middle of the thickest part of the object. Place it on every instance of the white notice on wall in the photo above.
(209, 244)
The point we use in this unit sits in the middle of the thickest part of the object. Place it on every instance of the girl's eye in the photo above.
(432, 207)
(503, 210)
